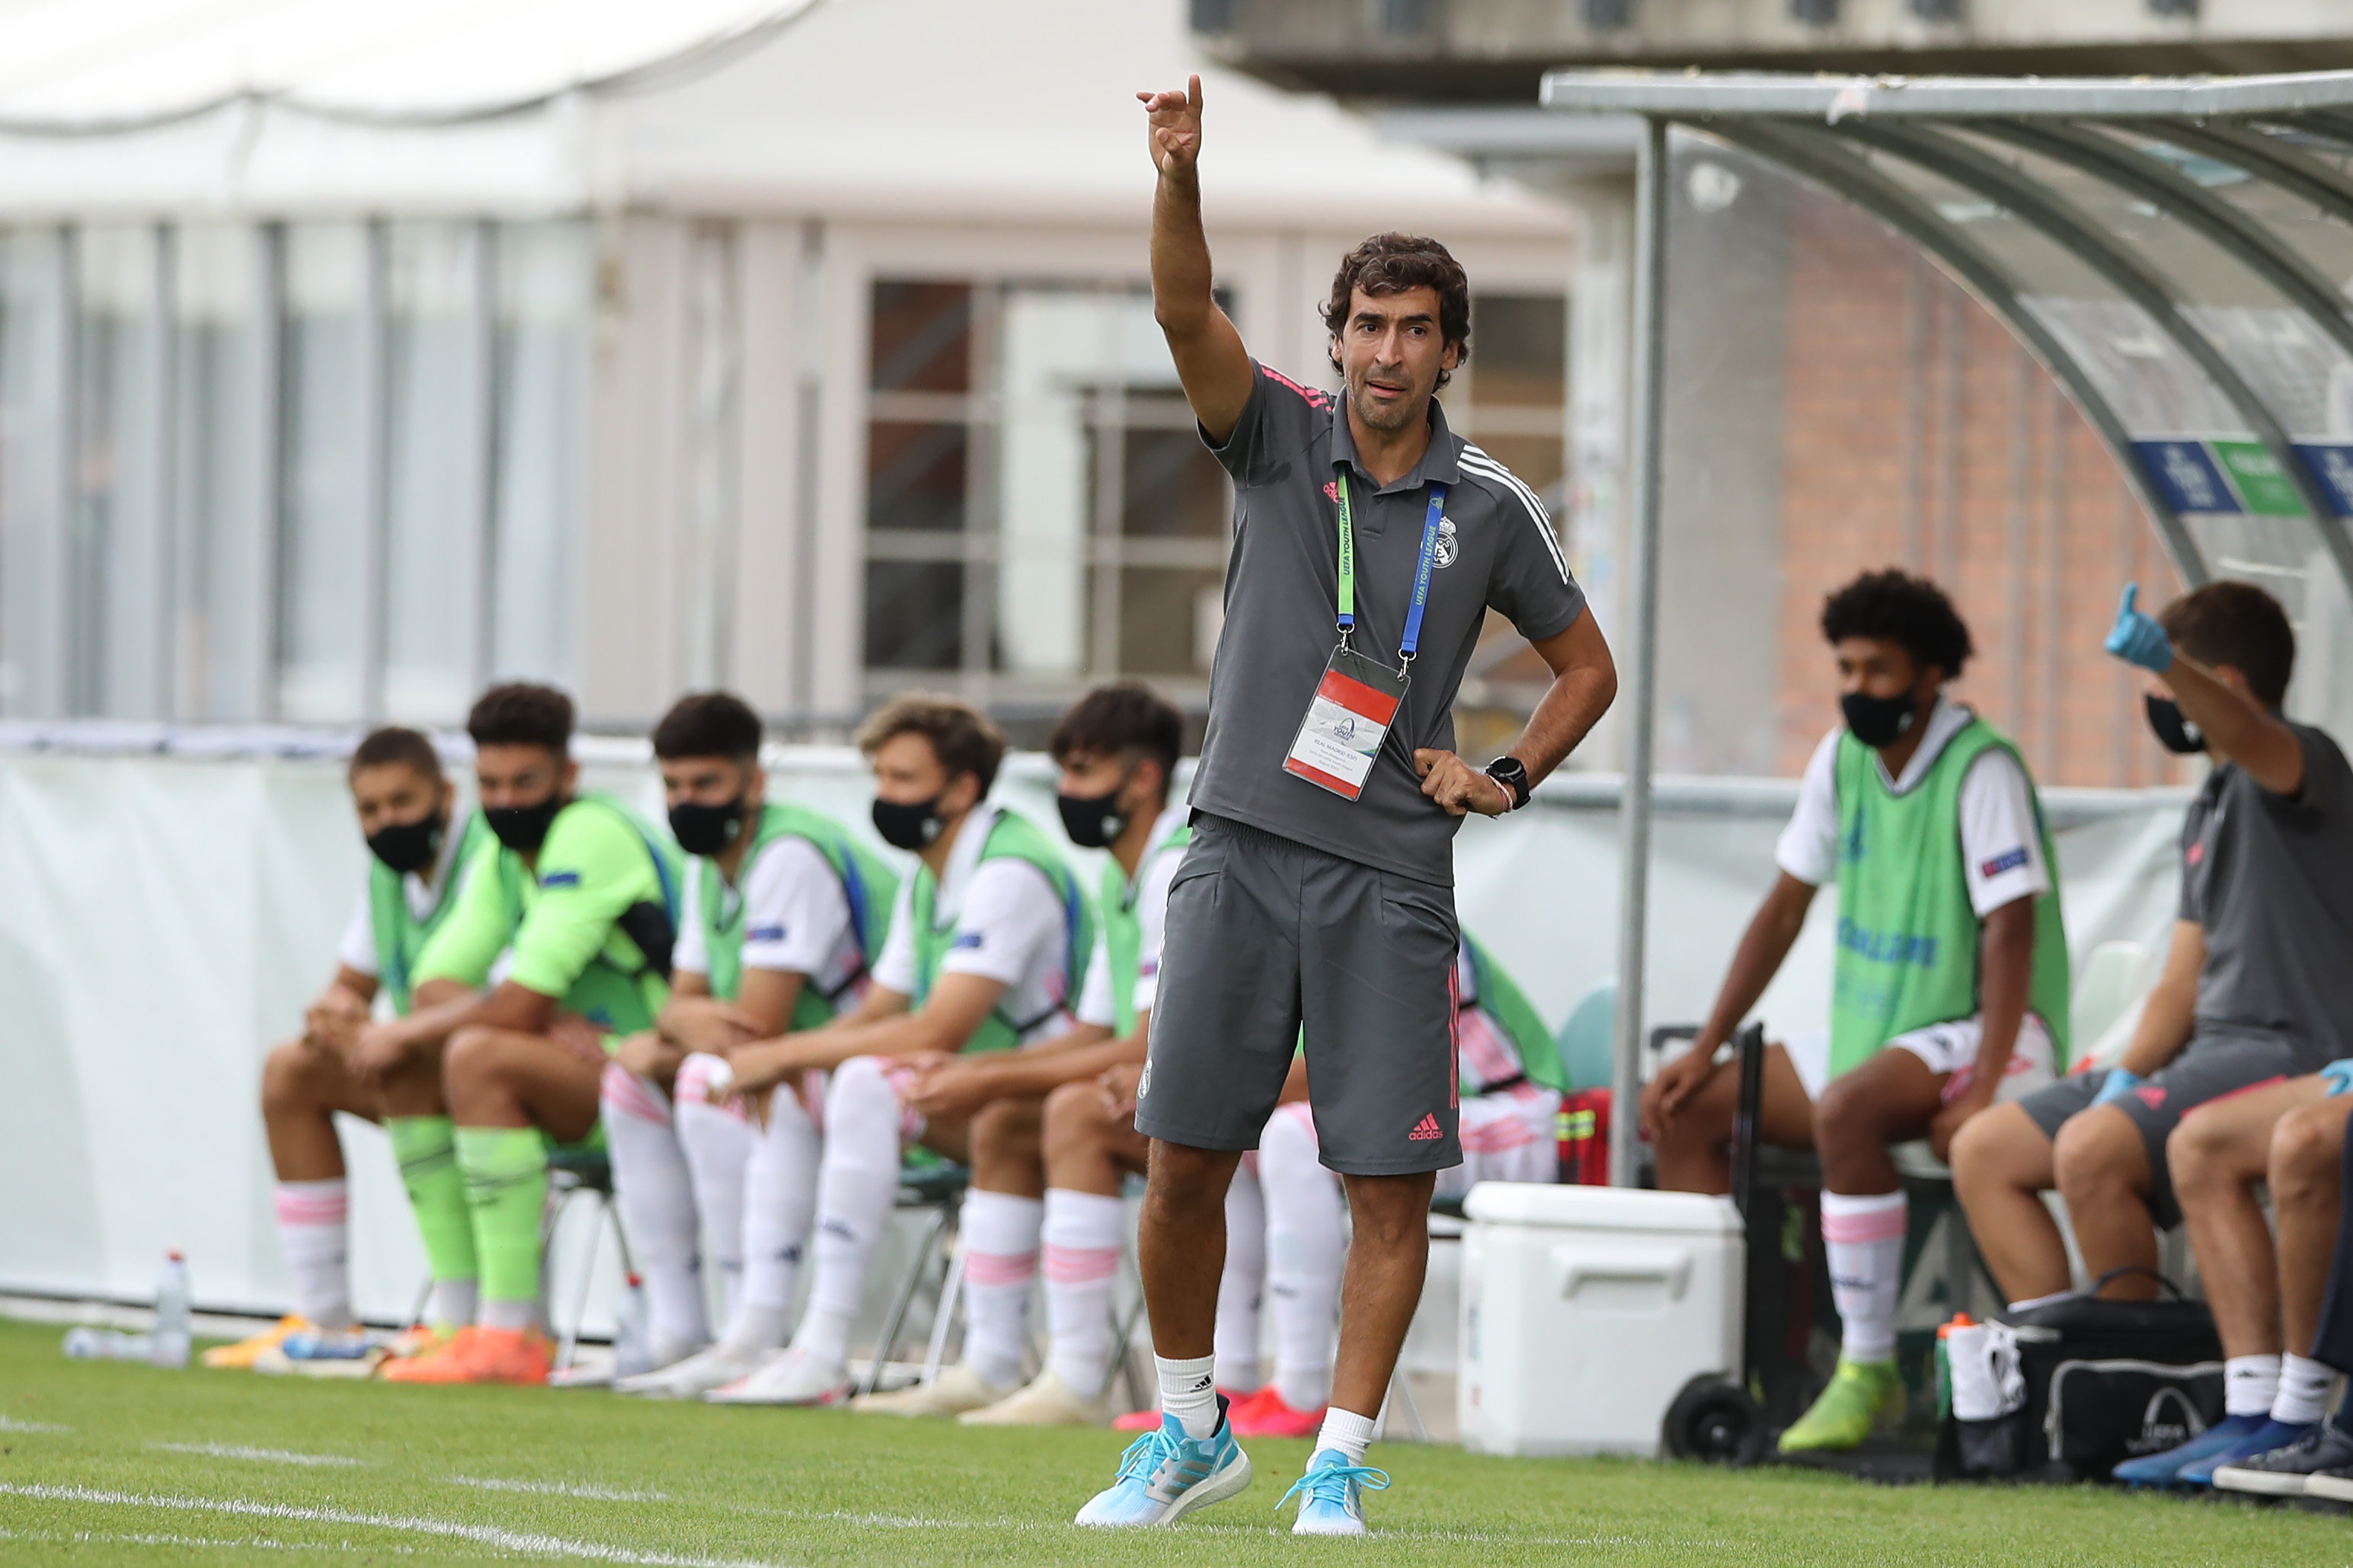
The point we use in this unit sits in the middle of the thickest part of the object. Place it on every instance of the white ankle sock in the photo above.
(1307, 1249)
(453, 1303)
(2250, 1384)
(857, 1180)
(1865, 1237)
(1345, 1430)
(312, 1223)
(1188, 1391)
(1000, 1269)
(779, 1205)
(656, 1196)
(514, 1316)
(1082, 1237)
(1242, 1287)
(718, 1139)
(2302, 1390)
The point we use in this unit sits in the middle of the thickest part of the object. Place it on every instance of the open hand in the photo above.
(649, 1055)
(1175, 127)
(1948, 1119)
(1676, 1082)
(1118, 1085)
(1458, 786)
(375, 1050)
(578, 1038)
(707, 1024)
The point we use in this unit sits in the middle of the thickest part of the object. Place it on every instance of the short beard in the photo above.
(1375, 417)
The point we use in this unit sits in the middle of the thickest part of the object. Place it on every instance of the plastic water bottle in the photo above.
(108, 1344)
(172, 1303)
(633, 1350)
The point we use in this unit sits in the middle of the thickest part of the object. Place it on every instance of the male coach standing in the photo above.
(1318, 892)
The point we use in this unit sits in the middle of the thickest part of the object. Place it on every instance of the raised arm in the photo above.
(1210, 360)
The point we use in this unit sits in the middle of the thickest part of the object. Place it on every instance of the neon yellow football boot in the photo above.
(1861, 1395)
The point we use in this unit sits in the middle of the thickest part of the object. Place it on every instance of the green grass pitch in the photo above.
(102, 1463)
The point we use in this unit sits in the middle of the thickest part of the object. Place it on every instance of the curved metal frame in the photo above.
(1838, 170)
(2058, 220)
(2262, 157)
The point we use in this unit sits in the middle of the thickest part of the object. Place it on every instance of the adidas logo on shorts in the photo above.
(1426, 1130)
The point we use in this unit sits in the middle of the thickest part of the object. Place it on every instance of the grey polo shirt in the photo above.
(1497, 550)
(2270, 879)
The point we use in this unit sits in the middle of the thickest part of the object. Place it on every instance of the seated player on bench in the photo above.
(1116, 749)
(1951, 971)
(783, 911)
(2307, 1176)
(419, 848)
(1510, 1086)
(580, 896)
(2256, 988)
(988, 949)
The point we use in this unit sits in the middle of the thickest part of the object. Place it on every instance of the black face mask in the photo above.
(908, 827)
(524, 828)
(1093, 821)
(409, 848)
(2174, 733)
(706, 831)
(1877, 721)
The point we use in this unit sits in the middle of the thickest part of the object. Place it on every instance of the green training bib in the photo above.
(1013, 837)
(868, 885)
(1907, 935)
(400, 936)
(1124, 929)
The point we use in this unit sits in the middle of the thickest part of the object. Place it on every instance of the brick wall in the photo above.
(1918, 433)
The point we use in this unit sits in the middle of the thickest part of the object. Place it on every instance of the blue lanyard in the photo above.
(1410, 643)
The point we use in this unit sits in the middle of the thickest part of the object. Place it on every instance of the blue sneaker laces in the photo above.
(1144, 1456)
(1329, 1484)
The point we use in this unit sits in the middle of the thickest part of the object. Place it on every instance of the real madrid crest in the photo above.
(1447, 547)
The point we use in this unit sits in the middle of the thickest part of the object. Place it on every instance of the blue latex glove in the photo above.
(2338, 1077)
(2136, 638)
(2118, 1083)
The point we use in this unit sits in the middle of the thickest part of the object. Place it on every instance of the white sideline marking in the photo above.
(261, 1543)
(261, 1455)
(515, 1541)
(557, 1488)
(10, 1423)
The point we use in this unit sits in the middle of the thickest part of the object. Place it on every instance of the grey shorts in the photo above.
(1268, 941)
(2211, 1066)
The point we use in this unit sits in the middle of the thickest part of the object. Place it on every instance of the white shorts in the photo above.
(1948, 1049)
(1507, 1136)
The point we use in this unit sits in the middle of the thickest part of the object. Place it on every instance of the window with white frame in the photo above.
(1039, 511)
(317, 472)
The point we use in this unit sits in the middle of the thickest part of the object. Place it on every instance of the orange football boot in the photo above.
(240, 1356)
(477, 1355)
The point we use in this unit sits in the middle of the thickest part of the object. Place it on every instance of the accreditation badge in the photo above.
(1346, 722)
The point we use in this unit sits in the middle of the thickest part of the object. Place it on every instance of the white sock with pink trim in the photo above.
(1000, 1266)
(311, 1224)
(1081, 1234)
(1864, 1238)
(655, 1197)
(717, 1135)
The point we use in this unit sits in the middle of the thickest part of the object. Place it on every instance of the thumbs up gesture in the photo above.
(2137, 638)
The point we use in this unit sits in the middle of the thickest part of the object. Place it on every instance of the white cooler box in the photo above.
(1587, 1309)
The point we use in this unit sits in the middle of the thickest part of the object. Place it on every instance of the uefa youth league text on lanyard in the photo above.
(1357, 698)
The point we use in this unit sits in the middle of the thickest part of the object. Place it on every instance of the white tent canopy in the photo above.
(1017, 110)
(67, 66)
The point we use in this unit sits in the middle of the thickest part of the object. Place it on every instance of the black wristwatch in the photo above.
(1507, 771)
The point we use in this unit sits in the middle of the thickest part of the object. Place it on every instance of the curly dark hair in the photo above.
(2239, 625)
(1910, 611)
(962, 736)
(520, 713)
(709, 724)
(1393, 263)
(1126, 716)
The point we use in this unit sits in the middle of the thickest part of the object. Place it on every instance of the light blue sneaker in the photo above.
(1331, 1495)
(323, 1352)
(2161, 1470)
(1166, 1475)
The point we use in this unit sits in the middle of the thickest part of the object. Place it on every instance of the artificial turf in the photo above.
(104, 1463)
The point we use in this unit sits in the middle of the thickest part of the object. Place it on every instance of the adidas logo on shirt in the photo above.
(1425, 1130)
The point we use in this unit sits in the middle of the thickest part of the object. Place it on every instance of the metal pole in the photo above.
(1639, 658)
